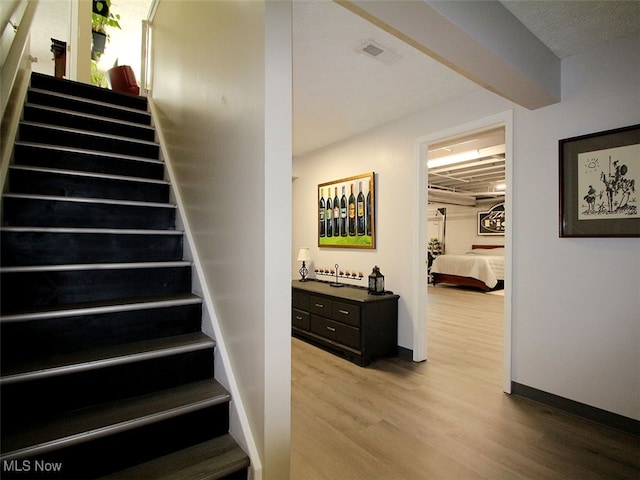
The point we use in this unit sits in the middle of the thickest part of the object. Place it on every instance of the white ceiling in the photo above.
(339, 91)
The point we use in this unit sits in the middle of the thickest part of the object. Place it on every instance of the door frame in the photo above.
(503, 119)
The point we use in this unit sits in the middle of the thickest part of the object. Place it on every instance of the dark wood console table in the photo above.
(346, 321)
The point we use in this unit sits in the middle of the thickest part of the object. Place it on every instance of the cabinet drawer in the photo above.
(337, 332)
(346, 313)
(320, 306)
(300, 300)
(300, 319)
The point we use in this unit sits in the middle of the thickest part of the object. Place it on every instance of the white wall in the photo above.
(577, 301)
(462, 226)
(576, 327)
(388, 152)
(222, 78)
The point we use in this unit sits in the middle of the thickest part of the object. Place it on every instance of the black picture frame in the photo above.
(599, 181)
(492, 222)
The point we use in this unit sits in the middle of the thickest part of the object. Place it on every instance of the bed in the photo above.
(482, 268)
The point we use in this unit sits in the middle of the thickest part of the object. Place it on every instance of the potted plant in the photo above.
(101, 18)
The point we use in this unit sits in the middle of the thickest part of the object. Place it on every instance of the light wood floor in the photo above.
(446, 418)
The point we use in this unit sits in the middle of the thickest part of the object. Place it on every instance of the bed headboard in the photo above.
(486, 246)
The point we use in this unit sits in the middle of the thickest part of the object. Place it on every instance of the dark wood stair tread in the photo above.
(105, 201)
(209, 460)
(80, 131)
(76, 113)
(103, 306)
(46, 146)
(83, 104)
(105, 356)
(110, 418)
(84, 174)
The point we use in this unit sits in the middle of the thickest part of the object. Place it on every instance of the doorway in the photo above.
(503, 122)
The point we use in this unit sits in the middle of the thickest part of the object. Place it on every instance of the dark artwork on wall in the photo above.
(599, 175)
(492, 222)
(346, 212)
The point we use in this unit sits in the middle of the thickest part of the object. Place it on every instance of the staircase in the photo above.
(105, 370)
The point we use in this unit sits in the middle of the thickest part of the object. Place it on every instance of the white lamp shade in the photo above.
(303, 255)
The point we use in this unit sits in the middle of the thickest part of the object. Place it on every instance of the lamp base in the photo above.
(304, 271)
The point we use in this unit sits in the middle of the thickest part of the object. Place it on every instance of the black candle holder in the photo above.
(337, 274)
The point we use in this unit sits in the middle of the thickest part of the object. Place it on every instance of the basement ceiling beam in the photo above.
(480, 40)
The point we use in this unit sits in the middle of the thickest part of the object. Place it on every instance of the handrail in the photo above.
(14, 80)
(11, 65)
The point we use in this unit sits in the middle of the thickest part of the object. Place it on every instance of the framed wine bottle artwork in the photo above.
(346, 212)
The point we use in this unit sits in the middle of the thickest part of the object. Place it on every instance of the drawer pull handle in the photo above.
(298, 317)
(331, 329)
(344, 312)
(319, 305)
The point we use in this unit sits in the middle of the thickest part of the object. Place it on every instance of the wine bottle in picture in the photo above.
(352, 213)
(336, 214)
(328, 217)
(321, 212)
(368, 206)
(360, 210)
(343, 214)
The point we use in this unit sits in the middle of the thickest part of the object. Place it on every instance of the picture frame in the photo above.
(492, 222)
(599, 181)
(354, 216)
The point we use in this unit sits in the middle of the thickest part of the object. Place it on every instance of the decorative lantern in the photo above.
(376, 282)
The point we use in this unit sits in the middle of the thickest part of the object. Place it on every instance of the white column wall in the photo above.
(217, 70)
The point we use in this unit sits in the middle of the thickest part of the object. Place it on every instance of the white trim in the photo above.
(209, 311)
(419, 247)
(504, 119)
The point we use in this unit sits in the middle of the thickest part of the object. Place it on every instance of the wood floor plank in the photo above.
(446, 418)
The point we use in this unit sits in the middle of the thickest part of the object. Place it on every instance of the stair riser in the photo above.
(65, 185)
(103, 361)
(78, 390)
(54, 336)
(91, 141)
(21, 212)
(86, 162)
(92, 108)
(52, 248)
(116, 452)
(46, 82)
(62, 119)
(23, 290)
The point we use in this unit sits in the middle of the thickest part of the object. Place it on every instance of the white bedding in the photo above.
(480, 265)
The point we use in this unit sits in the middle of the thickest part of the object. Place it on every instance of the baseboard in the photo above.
(405, 353)
(613, 420)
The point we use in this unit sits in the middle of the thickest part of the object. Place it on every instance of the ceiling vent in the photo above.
(383, 54)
